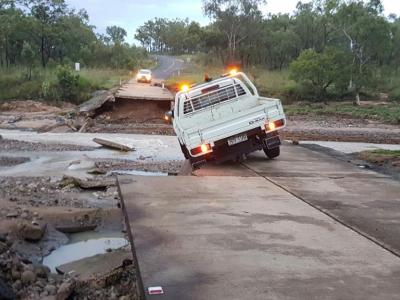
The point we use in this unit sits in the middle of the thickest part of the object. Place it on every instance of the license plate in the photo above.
(237, 139)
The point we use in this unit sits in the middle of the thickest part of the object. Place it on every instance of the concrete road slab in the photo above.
(140, 91)
(298, 161)
(246, 238)
(365, 200)
(225, 169)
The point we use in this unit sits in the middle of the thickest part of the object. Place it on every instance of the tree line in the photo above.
(327, 44)
(48, 32)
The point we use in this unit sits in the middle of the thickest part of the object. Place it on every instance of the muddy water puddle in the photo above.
(83, 245)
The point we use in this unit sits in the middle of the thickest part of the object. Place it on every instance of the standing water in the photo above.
(83, 245)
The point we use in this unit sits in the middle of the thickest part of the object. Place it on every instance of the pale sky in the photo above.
(130, 14)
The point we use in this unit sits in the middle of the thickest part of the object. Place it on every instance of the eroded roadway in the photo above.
(166, 67)
(304, 226)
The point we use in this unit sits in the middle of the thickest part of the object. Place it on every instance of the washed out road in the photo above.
(304, 226)
(166, 67)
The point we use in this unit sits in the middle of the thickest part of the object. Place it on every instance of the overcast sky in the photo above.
(130, 14)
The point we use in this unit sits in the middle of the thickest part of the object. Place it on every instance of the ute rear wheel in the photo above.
(272, 153)
(185, 151)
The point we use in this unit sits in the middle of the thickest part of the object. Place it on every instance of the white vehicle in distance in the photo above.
(144, 76)
(224, 119)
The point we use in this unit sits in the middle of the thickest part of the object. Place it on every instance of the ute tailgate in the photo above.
(242, 122)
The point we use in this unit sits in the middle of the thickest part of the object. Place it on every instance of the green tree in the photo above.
(235, 19)
(316, 72)
(28, 56)
(369, 37)
(47, 14)
(116, 34)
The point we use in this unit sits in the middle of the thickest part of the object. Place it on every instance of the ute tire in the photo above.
(272, 153)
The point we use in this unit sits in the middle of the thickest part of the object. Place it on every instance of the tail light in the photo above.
(271, 126)
(203, 149)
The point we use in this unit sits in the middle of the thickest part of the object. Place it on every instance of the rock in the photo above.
(51, 289)
(15, 275)
(24, 215)
(6, 292)
(17, 285)
(28, 277)
(100, 182)
(13, 214)
(65, 290)
(3, 247)
(124, 298)
(3, 237)
(41, 271)
(31, 232)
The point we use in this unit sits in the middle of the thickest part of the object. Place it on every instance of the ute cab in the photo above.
(224, 119)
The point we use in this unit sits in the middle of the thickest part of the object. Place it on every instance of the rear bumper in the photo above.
(143, 80)
(257, 140)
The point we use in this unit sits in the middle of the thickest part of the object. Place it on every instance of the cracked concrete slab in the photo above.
(245, 238)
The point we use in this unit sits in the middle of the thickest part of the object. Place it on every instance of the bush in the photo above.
(394, 95)
(319, 72)
(68, 84)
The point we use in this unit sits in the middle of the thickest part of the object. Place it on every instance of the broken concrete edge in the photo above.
(88, 268)
(97, 183)
(98, 100)
(131, 242)
(166, 99)
(112, 145)
(76, 228)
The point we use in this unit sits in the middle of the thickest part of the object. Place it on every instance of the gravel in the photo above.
(8, 161)
(7, 145)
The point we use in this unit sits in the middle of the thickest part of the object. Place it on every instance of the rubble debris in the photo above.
(100, 182)
(65, 290)
(99, 265)
(31, 232)
(28, 277)
(6, 292)
(83, 127)
(112, 145)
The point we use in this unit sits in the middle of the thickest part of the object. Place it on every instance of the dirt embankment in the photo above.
(146, 117)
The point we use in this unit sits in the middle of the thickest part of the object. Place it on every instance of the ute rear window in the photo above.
(212, 98)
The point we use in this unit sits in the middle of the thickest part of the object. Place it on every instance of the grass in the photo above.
(269, 83)
(14, 84)
(381, 157)
(388, 153)
(105, 78)
(387, 112)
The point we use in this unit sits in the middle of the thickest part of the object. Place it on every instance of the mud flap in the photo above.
(272, 142)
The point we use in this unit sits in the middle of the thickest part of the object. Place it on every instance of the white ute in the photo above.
(224, 119)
